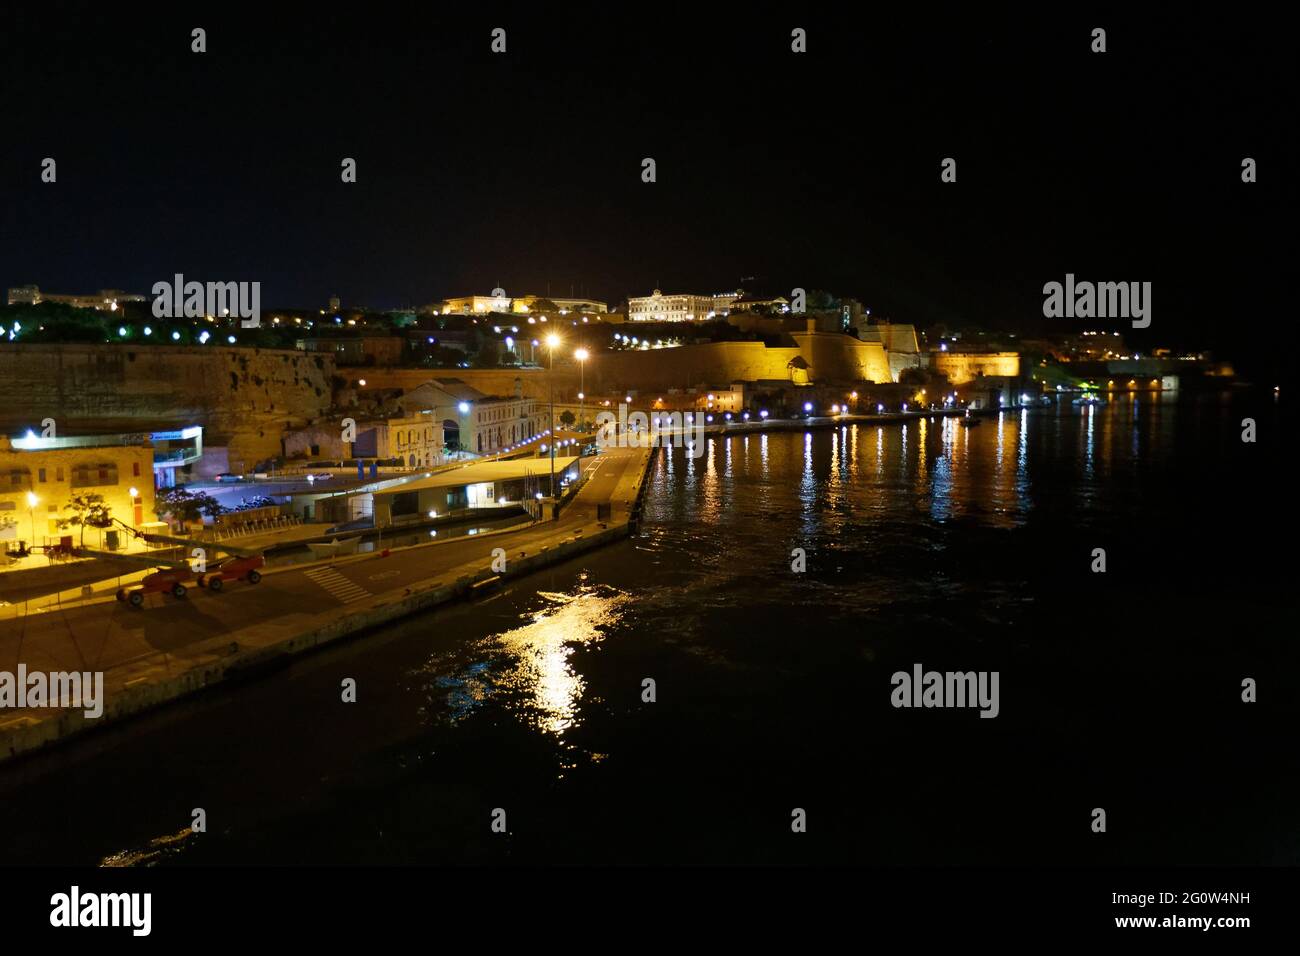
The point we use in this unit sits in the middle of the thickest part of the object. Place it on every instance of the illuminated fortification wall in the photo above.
(832, 357)
(962, 367)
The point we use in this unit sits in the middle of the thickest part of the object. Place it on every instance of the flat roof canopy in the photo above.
(485, 471)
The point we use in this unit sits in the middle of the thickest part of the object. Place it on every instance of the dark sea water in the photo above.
(958, 549)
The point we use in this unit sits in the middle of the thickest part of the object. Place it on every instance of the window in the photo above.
(58, 473)
(42, 474)
(135, 470)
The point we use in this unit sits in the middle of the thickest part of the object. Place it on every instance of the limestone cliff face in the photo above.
(244, 398)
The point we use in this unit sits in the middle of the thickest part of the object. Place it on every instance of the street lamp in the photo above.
(31, 510)
(552, 341)
(582, 355)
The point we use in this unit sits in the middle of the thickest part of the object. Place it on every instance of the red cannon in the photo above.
(233, 569)
(168, 580)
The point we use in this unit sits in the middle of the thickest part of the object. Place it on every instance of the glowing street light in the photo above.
(582, 355)
(552, 341)
(31, 510)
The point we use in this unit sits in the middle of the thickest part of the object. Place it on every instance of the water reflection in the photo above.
(528, 668)
(158, 850)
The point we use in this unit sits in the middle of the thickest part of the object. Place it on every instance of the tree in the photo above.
(184, 505)
(86, 510)
(543, 306)
(567, 418)
(488, 356)
(819, 300)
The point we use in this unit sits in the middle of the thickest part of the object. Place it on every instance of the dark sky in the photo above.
(818, 170)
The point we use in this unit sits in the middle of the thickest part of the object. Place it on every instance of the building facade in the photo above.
(527, 303)
(658, 307)
(39, 477)
(523, 304)
(474, 422)
(415, 439)
(108, 300)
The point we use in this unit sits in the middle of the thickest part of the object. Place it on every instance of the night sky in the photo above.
(523, 170)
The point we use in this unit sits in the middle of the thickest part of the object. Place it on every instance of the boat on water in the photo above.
(1088, 400)
(335, 548)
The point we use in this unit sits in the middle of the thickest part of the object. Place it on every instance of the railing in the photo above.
(244, 528)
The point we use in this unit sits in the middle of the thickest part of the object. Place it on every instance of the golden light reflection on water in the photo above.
(157, 850)
(530, 667)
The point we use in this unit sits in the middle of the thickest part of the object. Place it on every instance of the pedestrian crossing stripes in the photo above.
(337, 585)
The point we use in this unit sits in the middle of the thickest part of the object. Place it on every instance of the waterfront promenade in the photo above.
(170, 647)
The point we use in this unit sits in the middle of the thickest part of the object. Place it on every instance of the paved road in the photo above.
(108, 635)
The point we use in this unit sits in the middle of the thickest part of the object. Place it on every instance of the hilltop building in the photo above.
(106, 300)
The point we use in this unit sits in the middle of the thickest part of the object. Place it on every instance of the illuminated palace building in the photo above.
(686, 307)
(106, 300)
(522, 304)
(658, 307)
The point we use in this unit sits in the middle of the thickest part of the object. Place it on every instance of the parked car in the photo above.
(227, 477)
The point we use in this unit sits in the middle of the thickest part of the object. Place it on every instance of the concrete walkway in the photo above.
(172, 647)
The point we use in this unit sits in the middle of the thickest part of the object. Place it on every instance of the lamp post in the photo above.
(133, 491)
(552, 341)
(582, 355)
(31, 511)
